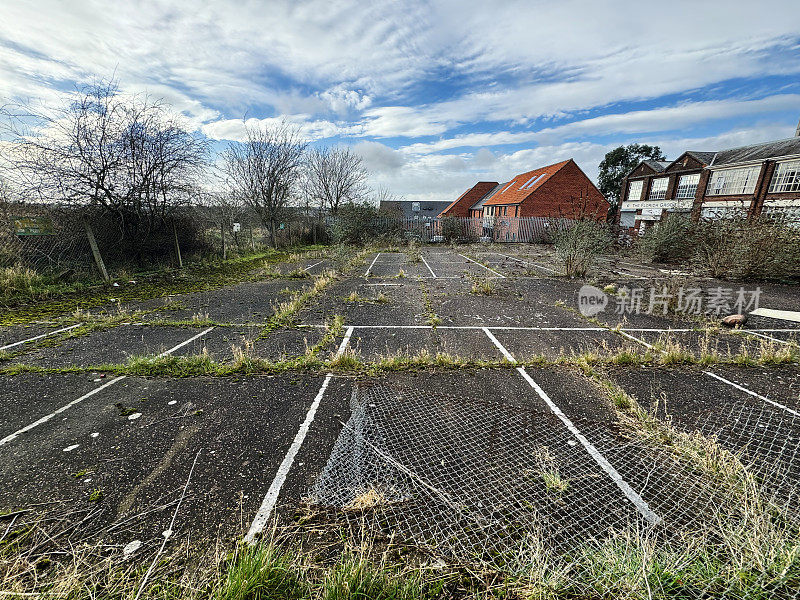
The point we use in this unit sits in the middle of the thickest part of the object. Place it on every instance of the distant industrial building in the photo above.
(423, 210)
(750, 181)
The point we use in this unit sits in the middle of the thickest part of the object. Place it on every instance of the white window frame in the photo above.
(658, 192)
(687, 186)
(637, 184)
(733, 182)
(786, 177)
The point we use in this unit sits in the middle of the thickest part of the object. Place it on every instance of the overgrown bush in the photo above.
(360, 223)
(670, 241)
(578, 243)
(451, 229)
(739, 249)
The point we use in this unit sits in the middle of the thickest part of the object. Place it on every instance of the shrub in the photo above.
(670, 241)
(451, 229)
(738, 249)
(579, 243)
(360, 223)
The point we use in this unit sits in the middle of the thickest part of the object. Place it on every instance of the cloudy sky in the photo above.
(434, 95)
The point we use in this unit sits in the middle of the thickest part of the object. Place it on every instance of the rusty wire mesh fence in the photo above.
(58, 238)
(511, 488)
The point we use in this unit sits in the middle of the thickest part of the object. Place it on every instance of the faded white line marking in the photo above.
(786, 315)
(766, 337)
(271, 498)
(500, 346)
(427, 265)
(366, 274)
(312, 266)
(484, 266)
(731, 383)
(635, 339)
(38, 337)
(69, 405)
(182, 344)
(630, 493)
(752, 393)
(526, 262)
(46, 418)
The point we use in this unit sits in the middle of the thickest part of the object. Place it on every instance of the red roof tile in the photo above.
(531, 181)
(461, 205)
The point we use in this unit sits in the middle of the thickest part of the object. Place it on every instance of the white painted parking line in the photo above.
(627, 490)
(182, 344)
(526, 262)
(46, 418)
(312, 266)
(484, 266)
(767, 337)
(635, 339)
(427, 265)
(271, 498)
(786, 315)
(728, 382)
(366, 274)
(69, 405)
(38, 337)
(752, 393)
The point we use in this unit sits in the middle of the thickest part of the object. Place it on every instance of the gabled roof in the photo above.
(659, 166)
(465, 201)
(524, 184)
(703, 157)
(757, 152)
(487, 195)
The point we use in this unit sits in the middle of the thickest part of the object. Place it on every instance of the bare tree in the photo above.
(263, 170)
(127, 154)
(334, 176)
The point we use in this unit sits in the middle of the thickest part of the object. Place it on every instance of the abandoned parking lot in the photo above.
(441, 377)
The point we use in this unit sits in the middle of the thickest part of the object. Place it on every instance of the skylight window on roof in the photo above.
(532, 181)
(509, 187)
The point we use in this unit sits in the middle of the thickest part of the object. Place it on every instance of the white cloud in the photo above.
(379, 158)
(310, 129)
(350, 68)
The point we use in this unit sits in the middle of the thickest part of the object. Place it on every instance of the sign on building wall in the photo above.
(658, 204)
(33, 226)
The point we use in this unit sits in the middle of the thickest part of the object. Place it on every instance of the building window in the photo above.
(687, 185)
(733, 181)
(635, 190)
(786, 177)
(415, 206)
(658, 189)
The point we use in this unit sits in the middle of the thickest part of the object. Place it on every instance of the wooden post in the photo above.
(98, 260)
(177, 245)
(222, 231)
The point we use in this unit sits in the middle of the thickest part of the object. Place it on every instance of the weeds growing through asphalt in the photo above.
(483, 287)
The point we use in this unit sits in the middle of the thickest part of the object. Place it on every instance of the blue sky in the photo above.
(434, 95)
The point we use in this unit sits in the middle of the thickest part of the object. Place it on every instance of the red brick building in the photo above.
(460, 207)
(760, 179)
(560, 190)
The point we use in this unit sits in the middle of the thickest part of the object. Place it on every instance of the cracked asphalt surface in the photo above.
(67, 433)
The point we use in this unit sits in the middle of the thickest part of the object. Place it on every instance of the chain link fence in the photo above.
(510, 488)
(60, 239)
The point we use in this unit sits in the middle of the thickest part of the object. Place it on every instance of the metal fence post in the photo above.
(95, 250)
(177, 245)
